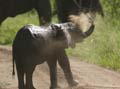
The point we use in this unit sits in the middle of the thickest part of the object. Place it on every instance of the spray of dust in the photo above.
(83, 21)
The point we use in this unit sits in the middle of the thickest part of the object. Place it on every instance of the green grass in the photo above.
(11, 25)
(102, 47)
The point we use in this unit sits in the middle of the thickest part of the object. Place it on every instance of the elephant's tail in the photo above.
(13, 72)
(13, 59)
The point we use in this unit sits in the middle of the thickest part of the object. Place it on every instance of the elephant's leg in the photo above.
(43, 8)
(53, 73)
(29, 74)
(65, 65)
(20, 74)
(61, 10)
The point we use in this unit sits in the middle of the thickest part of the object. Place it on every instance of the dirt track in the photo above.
(89, 76)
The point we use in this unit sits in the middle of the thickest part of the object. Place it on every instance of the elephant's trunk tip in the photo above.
(89, 32)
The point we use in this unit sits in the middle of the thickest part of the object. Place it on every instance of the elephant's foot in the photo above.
(73, 83)
(30, 87)
(55, 87)
(21, 87)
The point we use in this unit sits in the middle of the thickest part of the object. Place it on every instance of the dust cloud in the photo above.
(83, 21)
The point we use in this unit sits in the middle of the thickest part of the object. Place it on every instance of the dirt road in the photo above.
(89, 76)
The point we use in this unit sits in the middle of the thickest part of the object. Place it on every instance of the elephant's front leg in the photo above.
(53, 72)
(20, 74)
(65, 65)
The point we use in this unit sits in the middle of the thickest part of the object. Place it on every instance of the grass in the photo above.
(102, 47)
(12, 25)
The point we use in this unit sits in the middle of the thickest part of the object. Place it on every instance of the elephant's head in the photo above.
(70, 34)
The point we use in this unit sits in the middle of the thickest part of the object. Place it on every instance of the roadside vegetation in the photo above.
(102, 47)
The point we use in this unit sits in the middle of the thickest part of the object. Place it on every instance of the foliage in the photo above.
(112, 7)
(10, 26)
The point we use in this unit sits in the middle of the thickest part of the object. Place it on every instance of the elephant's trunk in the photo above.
(89, 32)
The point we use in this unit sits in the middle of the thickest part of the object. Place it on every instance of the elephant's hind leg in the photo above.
(20, 74)
(29, 75)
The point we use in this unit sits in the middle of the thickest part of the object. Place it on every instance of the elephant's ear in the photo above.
(55, 27)
(63, 35)
(57, 31)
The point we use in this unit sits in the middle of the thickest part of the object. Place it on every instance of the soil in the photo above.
(89, 76)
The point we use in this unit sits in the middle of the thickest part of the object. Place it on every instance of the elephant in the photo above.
(34, 45)
(65, 8)
(11, 8)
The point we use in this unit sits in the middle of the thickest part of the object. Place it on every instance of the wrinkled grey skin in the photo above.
(11, 8)
(34, 45)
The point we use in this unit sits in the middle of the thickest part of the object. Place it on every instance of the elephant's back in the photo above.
(24, 41)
